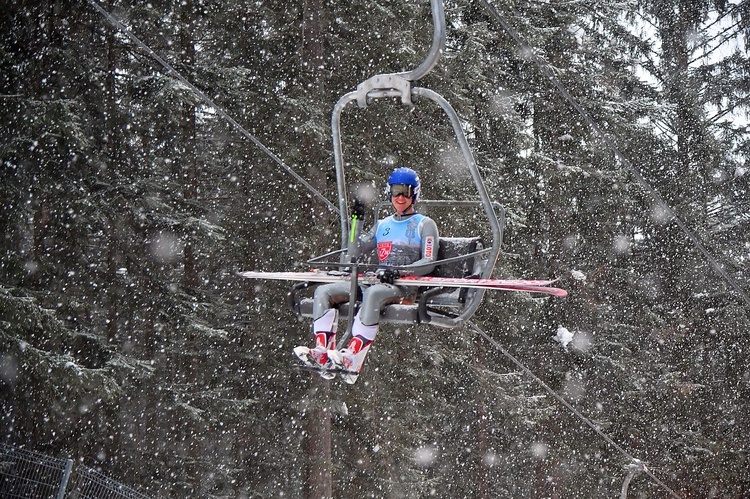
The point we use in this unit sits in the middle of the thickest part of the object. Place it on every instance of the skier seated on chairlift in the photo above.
(403, 239)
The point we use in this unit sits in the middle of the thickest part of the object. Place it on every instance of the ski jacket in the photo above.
(405, 240)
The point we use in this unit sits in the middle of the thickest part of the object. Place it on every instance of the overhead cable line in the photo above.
(613, 147)
(729, 12)
(173, 72)
(742, 102)
(705, 43)
(572, 409)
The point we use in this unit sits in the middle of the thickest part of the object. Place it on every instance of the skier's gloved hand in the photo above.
(387, 276)
(358, 209)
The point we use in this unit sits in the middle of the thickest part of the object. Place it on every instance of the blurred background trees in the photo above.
(128, 203)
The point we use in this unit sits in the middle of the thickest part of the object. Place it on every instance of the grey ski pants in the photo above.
(374, 298)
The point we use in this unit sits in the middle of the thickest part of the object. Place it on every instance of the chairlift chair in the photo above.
(467, 256)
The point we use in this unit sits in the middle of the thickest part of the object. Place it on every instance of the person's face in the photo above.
(401, 198)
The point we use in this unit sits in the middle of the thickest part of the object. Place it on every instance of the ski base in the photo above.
(516, 285)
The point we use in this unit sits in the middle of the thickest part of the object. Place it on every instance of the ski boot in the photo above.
(350, 359)
(317, 358)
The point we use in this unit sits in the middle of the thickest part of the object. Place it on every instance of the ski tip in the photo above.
(559, 293)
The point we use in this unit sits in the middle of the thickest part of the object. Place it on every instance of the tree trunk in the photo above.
(112, 134)
(482, 489)
(319, 478)
(188, 159)
(319, 481)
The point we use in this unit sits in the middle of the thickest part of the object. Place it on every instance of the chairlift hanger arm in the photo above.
(438, 44)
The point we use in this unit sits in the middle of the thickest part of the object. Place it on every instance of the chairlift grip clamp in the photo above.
(384, 85)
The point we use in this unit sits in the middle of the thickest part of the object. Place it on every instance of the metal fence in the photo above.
(26, 474)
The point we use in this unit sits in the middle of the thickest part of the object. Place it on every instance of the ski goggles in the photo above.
(402, 190)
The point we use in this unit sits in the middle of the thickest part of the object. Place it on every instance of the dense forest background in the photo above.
(128, 203)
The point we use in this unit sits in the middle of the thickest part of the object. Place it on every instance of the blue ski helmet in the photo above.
(406, 176)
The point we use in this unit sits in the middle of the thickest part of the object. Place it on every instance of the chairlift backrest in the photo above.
(451, 247)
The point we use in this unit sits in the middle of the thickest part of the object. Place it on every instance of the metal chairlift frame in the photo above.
(400, 86)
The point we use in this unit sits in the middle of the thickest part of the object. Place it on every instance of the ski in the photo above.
(315, 369)
(516, 285)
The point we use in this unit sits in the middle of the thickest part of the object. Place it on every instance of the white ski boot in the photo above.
(317, 358)
(350, 359)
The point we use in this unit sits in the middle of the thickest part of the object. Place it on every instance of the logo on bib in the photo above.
(429, 244)
(384, 249)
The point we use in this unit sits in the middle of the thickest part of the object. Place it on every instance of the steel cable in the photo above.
(568, 406)
(173, 72)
